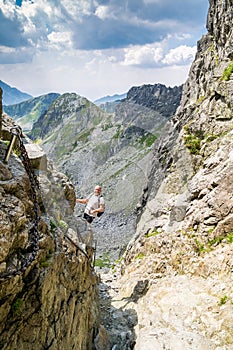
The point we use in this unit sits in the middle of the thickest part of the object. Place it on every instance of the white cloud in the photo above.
(95, 47)
(90, 74)
(180, 55)
(103, 12)
(158, 54)
(78, 8)
(60, 39)
(146, 55)
(7, 50)
(8, 8)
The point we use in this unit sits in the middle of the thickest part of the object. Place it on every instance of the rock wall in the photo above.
(192, 157)
(48, 290)
(182, 250)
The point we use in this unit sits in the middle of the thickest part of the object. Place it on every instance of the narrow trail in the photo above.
(117, 321)
(177, 312)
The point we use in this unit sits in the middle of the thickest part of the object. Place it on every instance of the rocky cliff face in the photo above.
(177, 273)
(158, 97)
(48, 289)
(199, 136)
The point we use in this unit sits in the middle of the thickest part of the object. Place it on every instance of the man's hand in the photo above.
(93, 211)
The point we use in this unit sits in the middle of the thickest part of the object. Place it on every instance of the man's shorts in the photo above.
(88, 218)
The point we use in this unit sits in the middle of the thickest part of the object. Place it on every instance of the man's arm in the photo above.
(98, 210)
(82, 200)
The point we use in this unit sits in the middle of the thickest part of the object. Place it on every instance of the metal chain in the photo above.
(33, 247)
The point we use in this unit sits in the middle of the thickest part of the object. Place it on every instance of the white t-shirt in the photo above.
(93, 203)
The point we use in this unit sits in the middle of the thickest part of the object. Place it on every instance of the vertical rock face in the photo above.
(183, 244)
(48, 293)
(194, 151)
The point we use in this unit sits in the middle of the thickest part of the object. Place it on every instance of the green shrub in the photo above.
(200, 99)
(103, 261)
(148, 140)
(200, 247)
(152, 233)
(230, 237)
(227, 72)
(63, 224)
(223, 300)
(139, 256)
(192, 139)
(192, 143)
(45, 262)
(17, 306)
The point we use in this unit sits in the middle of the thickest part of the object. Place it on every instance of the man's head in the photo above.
(97, 189)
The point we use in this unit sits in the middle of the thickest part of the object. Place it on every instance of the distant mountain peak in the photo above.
(11, 95)
(109, 98)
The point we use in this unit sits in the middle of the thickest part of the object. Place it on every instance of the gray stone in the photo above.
(37, 156)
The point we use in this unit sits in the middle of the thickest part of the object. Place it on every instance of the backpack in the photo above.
(101, 213)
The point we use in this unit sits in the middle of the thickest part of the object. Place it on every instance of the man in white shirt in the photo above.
(94, 205)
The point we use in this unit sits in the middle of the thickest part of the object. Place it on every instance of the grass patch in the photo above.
(83, 136)
(63, 224)
(227, 72)
(148, 140)
(17, 306)
(107, 126)
(230, 237)
(38, 141)
(223, 300)
(118, 132)
(103, 261)
(192, 139)
(45, 262)
(53, 227)
(215, 241)
(152, 233)
(139, 256)
(210, 137)
(200, 99)
(201, 247)
(192, 143)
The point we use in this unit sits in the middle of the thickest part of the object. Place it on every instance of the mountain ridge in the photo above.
(12, 95)
(110, 98)
(27, 112)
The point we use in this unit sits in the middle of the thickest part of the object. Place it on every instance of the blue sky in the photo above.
(98, 47)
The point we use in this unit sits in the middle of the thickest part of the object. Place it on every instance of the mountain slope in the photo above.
(92, 146)
(26, 113)
(12, 95)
